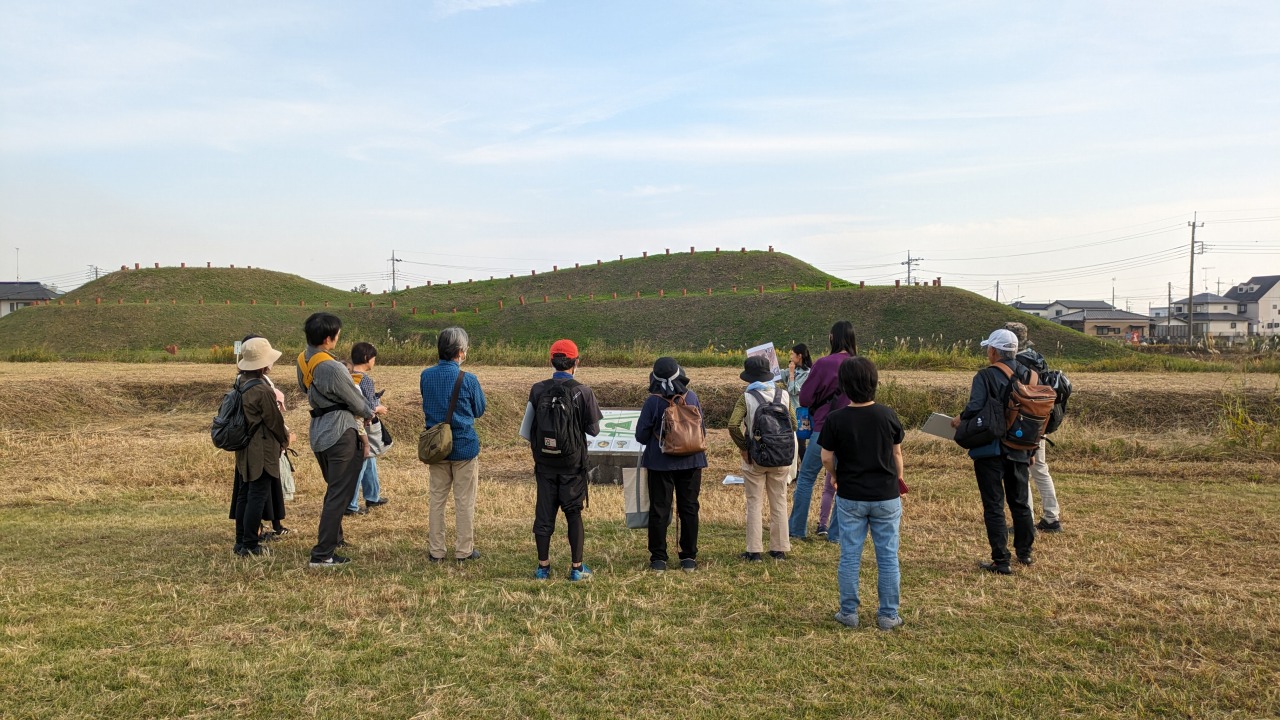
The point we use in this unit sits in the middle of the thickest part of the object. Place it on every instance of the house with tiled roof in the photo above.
(1259, 300)
(1107, 324)
(1040, 310)
(1058, 308)
(17, 295)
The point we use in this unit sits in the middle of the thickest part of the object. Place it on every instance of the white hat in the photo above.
(1002, 340)
(256, 354)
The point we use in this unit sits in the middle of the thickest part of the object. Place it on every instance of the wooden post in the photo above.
(897, 283)
(708, 292)
(201, 301)
(690, 249)
(668, 251)
(253, 302)
(521, 299)
(793, 287)
(97, 301)
(183, 265)
(862, 284)
(554, 268)
(735, 288)
(544, 299)
(413, 311)
(499, 304)
(370, 303)
(226, 302)
(637, 293)
(645, 254)
(684, 292)
(393, 307)
(828, 284)
(762, 290)
(615, 296)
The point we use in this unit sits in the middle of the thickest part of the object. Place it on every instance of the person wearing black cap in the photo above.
(560, 414)
(761, 479)
(681, 474)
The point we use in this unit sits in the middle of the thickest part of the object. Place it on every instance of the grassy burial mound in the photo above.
(660, 302)
(139, 610)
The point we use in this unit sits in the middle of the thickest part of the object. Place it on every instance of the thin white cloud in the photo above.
(446, 8)
(642, 191)
(708, 147)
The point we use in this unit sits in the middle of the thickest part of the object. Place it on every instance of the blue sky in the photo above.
(488, 137)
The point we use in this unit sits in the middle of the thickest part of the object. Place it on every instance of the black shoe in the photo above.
(1043, 526)
(375, 503)
(658, 565)
(751, 557)
(1026, 559)
(345, 544)
(357, 511)
(777, 555)
(331, 561)
(995, 567)
(475, 555)
(688, 564)
(434, 559)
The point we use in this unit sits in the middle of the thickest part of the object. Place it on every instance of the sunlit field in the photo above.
(120, 597)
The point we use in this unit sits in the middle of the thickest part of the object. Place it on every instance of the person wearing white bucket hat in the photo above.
(258, 463)
(1001, 471)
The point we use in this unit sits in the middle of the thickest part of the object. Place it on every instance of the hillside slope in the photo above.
(725, 321)
(213, 285)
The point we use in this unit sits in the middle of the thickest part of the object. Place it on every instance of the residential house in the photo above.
(15, 295)
(1107, 324)
(1058, 308)
(1040, 310)
(1259, 300)
(1206, 302)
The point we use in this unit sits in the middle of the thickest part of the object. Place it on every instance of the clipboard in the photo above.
(939, 425)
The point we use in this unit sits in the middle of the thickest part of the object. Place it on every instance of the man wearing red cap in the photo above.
(560, 414)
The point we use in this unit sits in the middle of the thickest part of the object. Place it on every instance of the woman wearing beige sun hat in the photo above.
(258, 464)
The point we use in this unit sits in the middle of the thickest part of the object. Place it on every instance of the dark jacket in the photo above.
(588, 418)
(262, 455)
(647, 433)
(990, 377)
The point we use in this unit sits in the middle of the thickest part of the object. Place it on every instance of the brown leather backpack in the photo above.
(1027, 411)
(681, 432)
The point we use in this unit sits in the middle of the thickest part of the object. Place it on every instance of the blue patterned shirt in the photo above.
(437, 385)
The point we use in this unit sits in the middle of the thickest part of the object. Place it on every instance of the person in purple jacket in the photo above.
(821, 392)
(666, 473)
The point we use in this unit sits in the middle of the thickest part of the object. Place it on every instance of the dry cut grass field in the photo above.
(119, 596)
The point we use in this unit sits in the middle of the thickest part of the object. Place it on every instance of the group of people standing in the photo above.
(819, 417)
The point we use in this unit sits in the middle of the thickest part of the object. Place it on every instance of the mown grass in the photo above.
(119, 597)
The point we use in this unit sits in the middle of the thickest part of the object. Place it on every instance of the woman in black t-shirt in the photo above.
(862, 447)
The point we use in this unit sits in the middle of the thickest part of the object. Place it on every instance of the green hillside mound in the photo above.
(674, 274)
(720, 325)
(213, 285)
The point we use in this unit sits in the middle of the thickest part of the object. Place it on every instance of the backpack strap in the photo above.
(308, 367)
(453, 398)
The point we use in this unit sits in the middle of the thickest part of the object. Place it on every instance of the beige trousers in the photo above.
(1038, 477)
(460, 477)
(760, 482)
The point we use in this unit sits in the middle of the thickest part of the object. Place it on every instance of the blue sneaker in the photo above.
(579, 573)
(542, 573)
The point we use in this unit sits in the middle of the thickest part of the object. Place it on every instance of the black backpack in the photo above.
(558, 436)
(230, 431)
(1061, 385)
(771, 442)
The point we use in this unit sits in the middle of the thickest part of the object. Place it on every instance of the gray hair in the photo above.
(1006, 354)
(452, 342)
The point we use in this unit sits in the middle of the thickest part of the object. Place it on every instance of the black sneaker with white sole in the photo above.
(331, 561)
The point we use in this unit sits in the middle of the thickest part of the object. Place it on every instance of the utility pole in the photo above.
(1191, 284)
(1113, 292)
(1168, 316)
(17, 266)
(997, 291)
(394, 260)
(910, 263)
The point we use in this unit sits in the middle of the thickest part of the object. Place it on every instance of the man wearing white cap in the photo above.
(1001, 471)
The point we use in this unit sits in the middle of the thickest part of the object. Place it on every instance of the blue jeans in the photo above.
(368, 482)
(810, 468)
(882, 518)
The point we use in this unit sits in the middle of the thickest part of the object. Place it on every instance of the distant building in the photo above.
(1206, 302)
(1107, 324)
(1259, 300)
(15, 295)
(1040, 310)
(1058, 308)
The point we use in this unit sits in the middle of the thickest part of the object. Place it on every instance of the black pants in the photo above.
(686, 484)
(251, 497)
(1001, 480)
(559, 492)
(340, 465)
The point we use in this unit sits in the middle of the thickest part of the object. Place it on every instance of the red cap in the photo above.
(567, 348)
